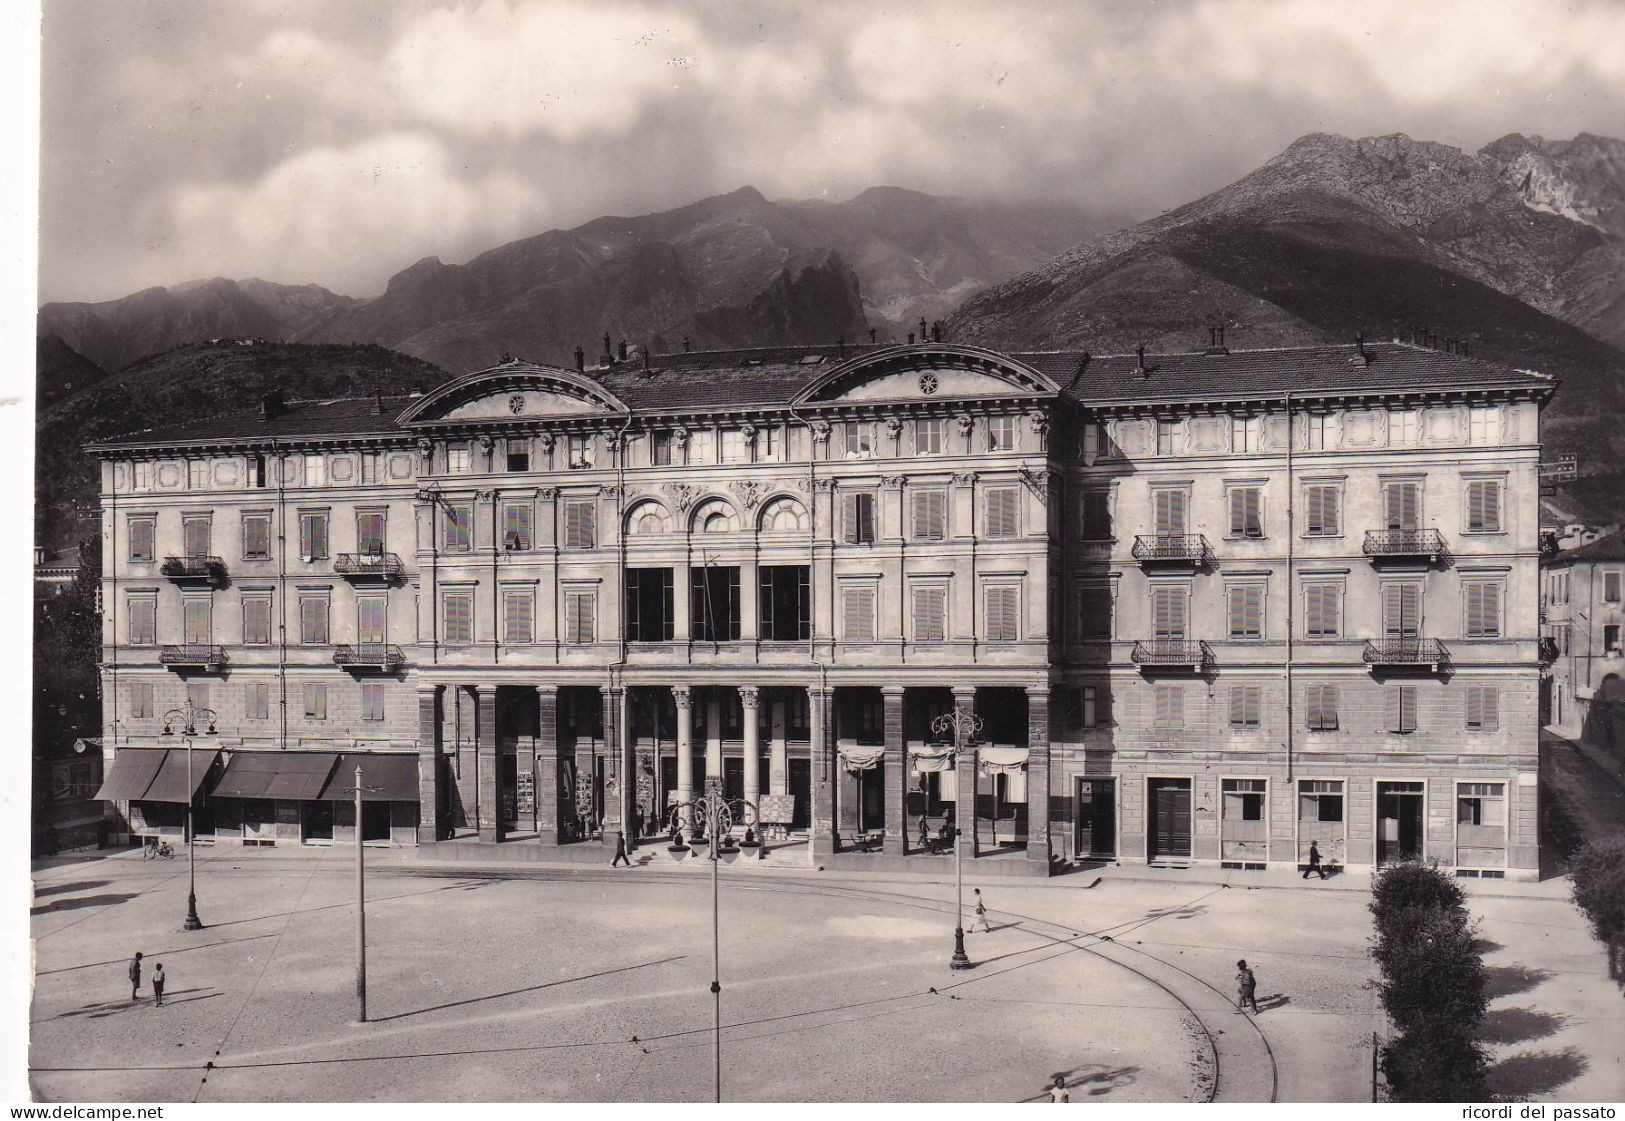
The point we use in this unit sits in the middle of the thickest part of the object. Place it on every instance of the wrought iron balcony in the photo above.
(1406, 653)
(1548, 651)
(379, 656)
(192, 656)
(1164, 653)
(357, 567)
(188, 569)
(1404, 544)
(1171, 548)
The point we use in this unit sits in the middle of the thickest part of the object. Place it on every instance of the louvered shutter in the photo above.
(1401, 506)
(1001, 512)
(580, 525)
(319, 707)
(858, 607)
(196, 623)
(196, 534)
(1240, 699)
(143, 622)
(1001, 614)
(849, 518)
(1245, 519)
(1401, 705)
(370, 620)
(930, 515)
(1246, 611)
(141, 539)
(1169, 709)
(1168, 613)
(369, 534)
(930, 609)
(1170, 512)
(1483, 506)
(1401, 610)
(459, 619)
(1483, 610)
(1322, 502)
(256, 621)
(313, 620)
(1320, 610)
(256, 537)
(1489, 715)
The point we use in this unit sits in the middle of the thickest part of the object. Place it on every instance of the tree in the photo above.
(1597, 873)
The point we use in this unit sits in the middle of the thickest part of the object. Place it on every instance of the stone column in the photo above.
(713, 734)
(485, 732)
(685, 750)
(748, 700)
(1038, 774)
(618, 775)
(821, 841)
(778, 771)
(431, 827)
(896, 772)
(547, 763)
(965, 776)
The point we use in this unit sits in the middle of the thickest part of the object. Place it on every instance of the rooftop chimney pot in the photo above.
(911, 338)
(936, 331)
(922, 328)
(871, 336)
(621, 351)
(581, 359)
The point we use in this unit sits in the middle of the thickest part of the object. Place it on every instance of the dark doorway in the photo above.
(733, 779)
(1097, 819)
(1399, 821)
(1170, 833)
(801, 790)
(508, 790)
(316, 821)
(375, 821)
(872, 799)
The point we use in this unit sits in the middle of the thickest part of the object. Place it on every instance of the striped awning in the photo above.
(295, 775)
(134, 768)
(391, 777)
(170, 784)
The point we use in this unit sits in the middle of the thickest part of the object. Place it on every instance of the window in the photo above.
(1169, 604)
(1322, 503)
(1246, 705)
(315, 702)
(1165, 437)
(581, 524)
(1610, 638)
(1246, 603)
(1483, 609)
(1480, 803)
(928, 436)
(1001, 613)
(1097, 515)
(256, 536)
(1245, 432)
(858, 518)
(784, 600)
(256, 620)
(930, 613)
(312, 537)
(858, 614)
(518, 457)
(1483, 426)
(313, 620)
(1167, 706)
(660, 449)
(1322, 610)
(1321, 707)
(1088, 712)
(195, 536)
(457, 461)
(369, 533)
(702, 446)
(1095, 611)
(369, 467)
(856, 434)
(1610, 587)
(315, 471)
(143, 531)
(1315, 430)
(1401, 610)
(197, 474)
(930, 515)
(770, 444)
(1401, 702)
(734, 447)
(141, 701)
(1097, 443)
(257, 701)
(1320, 801)
(457, 624)
(1001, 434)
(197, 623)
(143, 620)
(371, 623)
(1402, 427)
(142, 473)
(649, 611)
(518, 536)
(713, 599)
(198, 693)
(1001, 512)
(1246, 512)
(457, 528)
(372, 700)
(1243, 799)
(1168, 506)
(1483, 708)
(1484, 506)
(1401, 506)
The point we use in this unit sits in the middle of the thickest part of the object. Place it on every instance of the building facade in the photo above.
(1582, 606)
(1205, 607)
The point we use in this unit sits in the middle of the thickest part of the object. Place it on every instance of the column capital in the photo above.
(893, 690)
(1038, 691)
(682, 695)
(485, 689)
(546, 690)
(967, 692)
(749, 696)
(428, 690)
(612, 690)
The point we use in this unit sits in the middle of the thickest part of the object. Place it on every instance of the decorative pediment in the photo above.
(515, 391)
(915, 373)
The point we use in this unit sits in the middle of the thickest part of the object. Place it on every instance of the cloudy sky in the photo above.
(338, 142)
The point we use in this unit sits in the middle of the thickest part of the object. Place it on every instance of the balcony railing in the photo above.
(1164, 653)
(192, 656)
(1171, 548)
(1404, 544)
(1548, 651)
(194, 568)
(383, 656)
(1406, 653)
(368, 566)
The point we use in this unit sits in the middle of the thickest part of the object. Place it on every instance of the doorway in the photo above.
(1170, 833)
(507, 791)
(1097, 819)
(800, 775)
(375, 821)
(316, 822)
(1399, 821)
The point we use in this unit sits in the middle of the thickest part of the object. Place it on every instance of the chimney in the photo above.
(581, 359)
(378, 401)
(685, 344)
(911, 338)
(608, 357)
(922, 328)
(936, 331)
(645, 361)
(840, 345)
(1361, 358)
(621, 352)
(1215, 341)
(871, 336)
(1139, 370)
(272, 404)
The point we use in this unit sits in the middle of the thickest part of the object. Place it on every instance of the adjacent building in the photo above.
(1582, 606)
(1203, 607)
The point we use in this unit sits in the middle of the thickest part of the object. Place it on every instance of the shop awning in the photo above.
(391, 777)
(294, 775)
(929, 759)
(855, 758)
(1003, 760)
(134, 768)
(170, 784)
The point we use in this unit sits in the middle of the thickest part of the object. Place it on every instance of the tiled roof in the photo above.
(773, 376)
(1610, 548)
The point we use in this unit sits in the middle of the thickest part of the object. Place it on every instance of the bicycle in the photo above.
(160, 851)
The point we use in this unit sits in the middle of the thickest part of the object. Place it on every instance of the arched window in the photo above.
(647, 517)
(715, 516)
(784, 515)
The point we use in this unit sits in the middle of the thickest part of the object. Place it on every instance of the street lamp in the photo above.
(189, 717)
(712, 818)
(965, 727)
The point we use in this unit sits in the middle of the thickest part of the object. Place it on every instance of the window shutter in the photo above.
(572, 618)
(1401, 705)
(1001, 512)
(256, 621)
(1483, 610)
(143, 621)
(1001, 614)
(1401, 506)
(1484, 506)
(1401, 610)
(930, 515)
(1170, 512)
(196, 532)
(1246, 611)
(196, 622)
(1322, 504)
(256, 536)
(1243, 706)
(318, 536)
(370, 620)
(369, 534)
(1320, 610)
(1483, 708)
(459, 629)
(1245, 519)
(580, 524)
(1169, 709)
(849, 518)
(141, 539)
(858, 606)
(930, 609)
(1168, 613)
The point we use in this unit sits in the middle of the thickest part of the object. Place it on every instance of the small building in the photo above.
(54, 571)
(1582, 602)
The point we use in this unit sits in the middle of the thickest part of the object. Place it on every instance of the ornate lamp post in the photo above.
(189, 717)
(966, 728)
(713, 819)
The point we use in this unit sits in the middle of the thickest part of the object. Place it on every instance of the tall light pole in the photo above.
(360, 910)
(188, 718)
(965, 727)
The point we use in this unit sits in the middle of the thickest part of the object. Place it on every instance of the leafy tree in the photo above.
(1597, 872)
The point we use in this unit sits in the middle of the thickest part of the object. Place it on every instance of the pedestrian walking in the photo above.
(925, 833)
(981, 913)
(1314, 861)
(1057, 1090)
(158, 984)
(620, 852)
(135, 976)
(1246, 988)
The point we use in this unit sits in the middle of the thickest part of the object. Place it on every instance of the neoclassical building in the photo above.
(1208, 607)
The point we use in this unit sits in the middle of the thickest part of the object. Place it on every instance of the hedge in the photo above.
(1597, 872)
